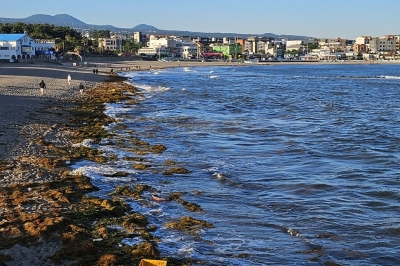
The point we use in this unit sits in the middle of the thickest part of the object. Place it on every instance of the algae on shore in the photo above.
(88, 229)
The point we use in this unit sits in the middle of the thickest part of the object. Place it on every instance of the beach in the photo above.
(43, 209)
(35, 126)
(29, 116)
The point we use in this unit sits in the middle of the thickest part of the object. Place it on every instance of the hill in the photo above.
(72, 22)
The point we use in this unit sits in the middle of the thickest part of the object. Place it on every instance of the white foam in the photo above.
(88, 143)
(213, 77)
(390, 77)
(155, 212)
(132, 241)
(128, 74)
(153, 89)
(186, 251)
(114, 109)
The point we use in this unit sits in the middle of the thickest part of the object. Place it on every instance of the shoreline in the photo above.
(47, 216)
(136, 65)
(35, 133)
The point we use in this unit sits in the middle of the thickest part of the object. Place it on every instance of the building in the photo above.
(45, 48)
(154, 51)
(360, 48)
(138, 37)
(15, 47)
(110, 44)
(397, 38)
(229, 51)
(363, 39)
(171, 46)
(274, 49)
(185, 49)
(383, 46)
(158, 41)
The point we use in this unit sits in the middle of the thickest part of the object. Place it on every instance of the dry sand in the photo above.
(26, 114)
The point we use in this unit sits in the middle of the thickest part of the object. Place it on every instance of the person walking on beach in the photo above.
(81, 87)
(97, 71)
(42, 86)
(69, 79)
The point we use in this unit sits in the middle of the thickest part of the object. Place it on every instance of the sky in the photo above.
(346, 19)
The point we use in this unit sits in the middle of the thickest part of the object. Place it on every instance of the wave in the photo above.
(389, 77)
(150, 89)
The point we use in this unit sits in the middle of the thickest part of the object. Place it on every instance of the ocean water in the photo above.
(292, 164)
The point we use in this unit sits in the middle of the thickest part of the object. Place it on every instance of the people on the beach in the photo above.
(97, 71)
(81, 87)
(94, 71)
(42, 86)
(69, 79)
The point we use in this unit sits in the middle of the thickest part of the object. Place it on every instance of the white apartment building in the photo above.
(186, 49)
(164, 46)
(155, 41)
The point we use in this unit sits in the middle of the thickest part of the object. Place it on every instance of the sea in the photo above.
(293, 164)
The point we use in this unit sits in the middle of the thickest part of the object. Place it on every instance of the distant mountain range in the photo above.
(70, 21)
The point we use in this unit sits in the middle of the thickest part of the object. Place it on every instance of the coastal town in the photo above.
(15, 47)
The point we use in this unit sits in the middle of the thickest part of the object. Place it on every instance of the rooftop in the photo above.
(11, 37)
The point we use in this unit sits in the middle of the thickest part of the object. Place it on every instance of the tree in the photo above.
(130, 46)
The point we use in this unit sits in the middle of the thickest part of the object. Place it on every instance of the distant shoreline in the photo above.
(138, 65)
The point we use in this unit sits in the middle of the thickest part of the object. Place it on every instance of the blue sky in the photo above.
(315, 18)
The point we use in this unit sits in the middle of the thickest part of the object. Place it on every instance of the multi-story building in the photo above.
(138, 37)
(397, 39)
(275, 48)
(158, 41)
(384, 45)
(228, 50)
(387, 44)
(360, 48)
(170, 46)
(110, 44)
(338, 44)
(186, 49)
(363, 39)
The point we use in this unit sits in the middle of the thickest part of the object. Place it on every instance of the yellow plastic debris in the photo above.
(146, 262)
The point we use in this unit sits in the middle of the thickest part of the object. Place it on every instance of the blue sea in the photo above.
(292, 164)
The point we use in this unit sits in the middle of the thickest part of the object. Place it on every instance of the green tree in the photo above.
(130, 46)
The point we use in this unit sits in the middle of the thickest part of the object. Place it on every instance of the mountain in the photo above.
(70, 21)
(144, 27)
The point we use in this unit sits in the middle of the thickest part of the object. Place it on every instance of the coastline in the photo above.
(32, 128)
(47, 217)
